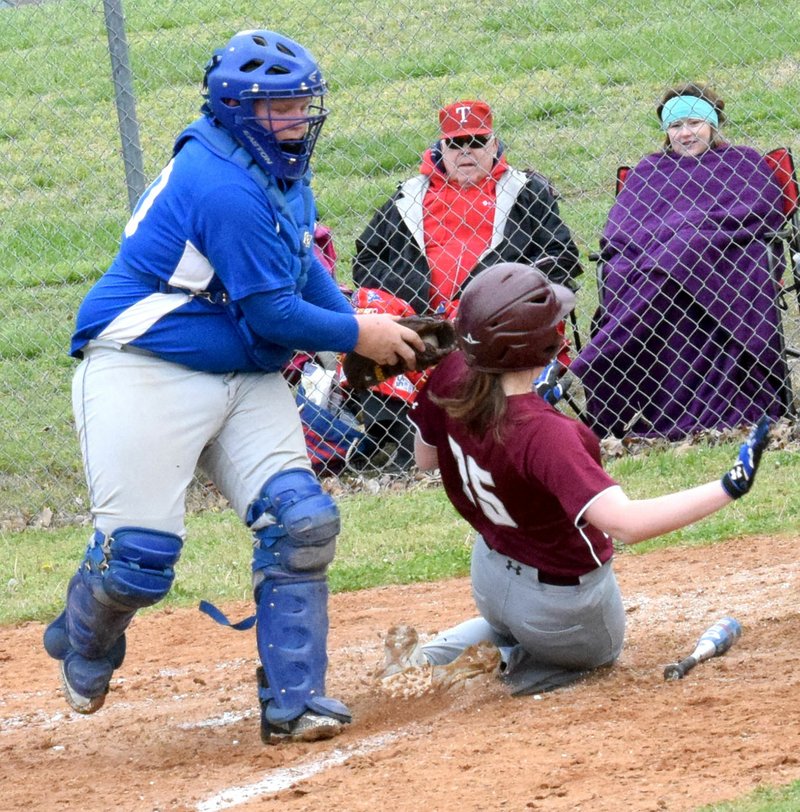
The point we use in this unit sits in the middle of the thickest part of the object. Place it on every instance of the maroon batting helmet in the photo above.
(507, 318)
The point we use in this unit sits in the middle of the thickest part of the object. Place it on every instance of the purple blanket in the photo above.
(688, 333)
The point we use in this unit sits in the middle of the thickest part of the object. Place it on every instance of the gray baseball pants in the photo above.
(548, 635)
(145, 425)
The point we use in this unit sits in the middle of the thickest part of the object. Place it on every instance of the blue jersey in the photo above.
(211, 234)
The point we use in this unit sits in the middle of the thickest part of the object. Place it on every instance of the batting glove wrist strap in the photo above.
(738, 481)
(549, 385)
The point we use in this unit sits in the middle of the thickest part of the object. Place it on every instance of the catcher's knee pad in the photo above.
(135, 565)
(120, 573)
(295, 524)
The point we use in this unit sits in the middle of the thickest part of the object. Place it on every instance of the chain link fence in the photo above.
(92, 95)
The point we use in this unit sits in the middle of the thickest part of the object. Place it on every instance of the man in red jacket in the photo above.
(466, 210)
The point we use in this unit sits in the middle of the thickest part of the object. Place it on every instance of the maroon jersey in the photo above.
(526, 494)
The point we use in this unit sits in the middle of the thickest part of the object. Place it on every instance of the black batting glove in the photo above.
(548, 385)
(738, 481)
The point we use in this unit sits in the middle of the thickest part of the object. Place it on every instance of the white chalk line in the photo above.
(284, 777)
(50, 721)
(42, 719)
(273, 782)
(227, 718)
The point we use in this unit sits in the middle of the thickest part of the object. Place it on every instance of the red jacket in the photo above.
(457, 222)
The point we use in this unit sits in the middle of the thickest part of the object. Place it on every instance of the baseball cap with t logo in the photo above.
(465, 118)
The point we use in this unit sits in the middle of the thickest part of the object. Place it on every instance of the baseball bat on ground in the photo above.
(716, 640)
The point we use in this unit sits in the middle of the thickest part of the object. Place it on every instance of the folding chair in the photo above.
(595, 256)
(782, 164)
(785, 244)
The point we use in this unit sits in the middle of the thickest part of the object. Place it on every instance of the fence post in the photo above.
(126, 105)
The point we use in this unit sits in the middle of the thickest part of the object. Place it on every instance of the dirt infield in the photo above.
(180, 730)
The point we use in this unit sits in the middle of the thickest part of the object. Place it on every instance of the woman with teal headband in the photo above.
(687, 337)
(696, 109)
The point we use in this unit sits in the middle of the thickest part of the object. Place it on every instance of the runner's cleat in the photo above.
(481, 658)
(402, 650)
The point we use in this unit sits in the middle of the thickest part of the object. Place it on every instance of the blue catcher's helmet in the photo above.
(266, 65)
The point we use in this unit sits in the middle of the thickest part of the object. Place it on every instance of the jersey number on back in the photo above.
(147, 199)
(475, 481)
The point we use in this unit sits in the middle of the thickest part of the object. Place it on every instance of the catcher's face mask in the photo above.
(265, 65)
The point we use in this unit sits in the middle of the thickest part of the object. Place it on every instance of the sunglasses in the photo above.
(469, 141)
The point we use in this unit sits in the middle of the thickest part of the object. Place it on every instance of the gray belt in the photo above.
(105, 344)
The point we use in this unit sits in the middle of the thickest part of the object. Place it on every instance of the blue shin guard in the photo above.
(119, 574)
(89, 659)
(291, 632)
(295, 524)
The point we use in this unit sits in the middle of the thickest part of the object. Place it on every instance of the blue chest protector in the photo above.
(295, 217)
(302, 216)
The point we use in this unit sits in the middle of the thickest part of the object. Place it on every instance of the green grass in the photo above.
(764, 799)
(573, 85)
(394, 537)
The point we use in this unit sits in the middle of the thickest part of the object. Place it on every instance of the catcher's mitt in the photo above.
(438, 334)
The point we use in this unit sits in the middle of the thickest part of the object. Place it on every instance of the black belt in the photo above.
(118, 347)
(543, 577)
(557, 580)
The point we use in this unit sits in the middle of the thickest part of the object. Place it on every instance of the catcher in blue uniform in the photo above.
(181, 344)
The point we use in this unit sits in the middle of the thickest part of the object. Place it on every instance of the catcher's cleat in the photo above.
(310, 727)
(79, 703)
(481, 658)
(402, 650)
